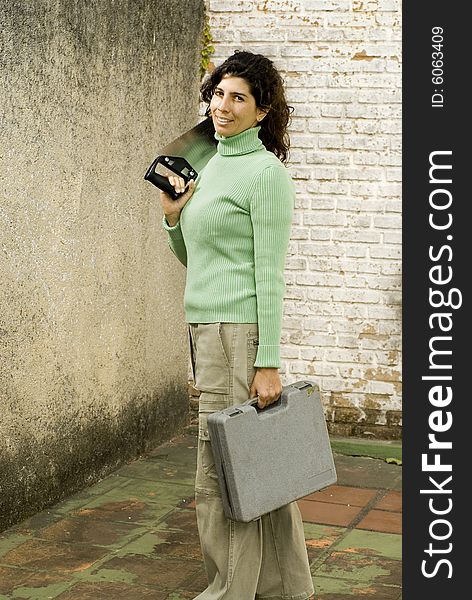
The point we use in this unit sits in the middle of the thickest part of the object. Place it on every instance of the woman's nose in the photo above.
(223, 103)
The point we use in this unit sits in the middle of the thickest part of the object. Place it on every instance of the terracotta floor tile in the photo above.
(340, 494)
(320, 537)
(12, 577)
(196, 583)
(371, 570)
(391, 501)
(89, 531)
(105, 590)
(362, 541)
(326, 513)
(337, 588)
(166, 572)
(54, 557)
(382, 520)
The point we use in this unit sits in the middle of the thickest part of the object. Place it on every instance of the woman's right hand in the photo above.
(172, 208)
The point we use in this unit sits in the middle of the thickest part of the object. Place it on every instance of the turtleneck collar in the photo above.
(241, 143)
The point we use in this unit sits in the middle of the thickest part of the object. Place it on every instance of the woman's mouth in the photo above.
(222, 120)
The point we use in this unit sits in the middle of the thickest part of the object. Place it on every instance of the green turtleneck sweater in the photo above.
(233, 236)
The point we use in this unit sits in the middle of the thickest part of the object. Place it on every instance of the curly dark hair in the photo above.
(267, 87)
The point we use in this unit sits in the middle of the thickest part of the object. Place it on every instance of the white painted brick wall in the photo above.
(341, 62)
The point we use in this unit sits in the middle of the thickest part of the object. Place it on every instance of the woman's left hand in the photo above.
(266, 385)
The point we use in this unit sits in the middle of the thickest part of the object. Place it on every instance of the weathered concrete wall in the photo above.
(341, 61)
(93, 350)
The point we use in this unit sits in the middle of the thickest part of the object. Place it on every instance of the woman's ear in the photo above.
(261, 113)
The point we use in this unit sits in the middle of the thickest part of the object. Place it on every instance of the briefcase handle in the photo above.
(282, 401)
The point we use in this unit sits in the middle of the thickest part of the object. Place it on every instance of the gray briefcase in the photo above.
(267, 458)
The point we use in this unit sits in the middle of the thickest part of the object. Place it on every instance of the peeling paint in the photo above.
(362, 56)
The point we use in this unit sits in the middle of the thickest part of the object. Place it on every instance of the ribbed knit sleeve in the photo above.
(271, 210)
(176, 241)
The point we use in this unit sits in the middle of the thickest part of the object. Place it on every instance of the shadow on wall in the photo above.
(93, 349)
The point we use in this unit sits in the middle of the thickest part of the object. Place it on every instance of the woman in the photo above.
(233, 238)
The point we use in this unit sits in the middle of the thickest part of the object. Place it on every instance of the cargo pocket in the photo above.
(252, 347)
(208, 404)
(212, 371)
(206, 477)
(208, 461)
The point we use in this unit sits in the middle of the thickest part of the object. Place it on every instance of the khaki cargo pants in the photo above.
(263, 559)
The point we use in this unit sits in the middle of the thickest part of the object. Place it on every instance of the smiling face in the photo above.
(233, 107)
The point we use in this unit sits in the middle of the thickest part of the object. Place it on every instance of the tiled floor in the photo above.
(134, 535)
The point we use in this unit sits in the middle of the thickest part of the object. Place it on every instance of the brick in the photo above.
(323, 295)
(356, 310)
(320, 235)
(347, 341)
(262, 35)
(365, 142)
(320, 250)
(325, 126)
(279, 6)
(333, 110)
(387, 222)
(351, 295)
(362, 157)
(330, 141)
(320, 279)
(385, 96)
(360, 173)
(301, 202)
(361, 21)
(385, 283)
(323, 203)
(351, 235)
(357, 221)
(289, 352)
(366, 126)
(292, 323)
(300, 233)
(390, 159)
(394, 174)
(298, 126)
(386, 19)
(296, 264)
(331, 35)
(356, 251)
(385, 252)
(302, 140)
(298, 50)
(231, 5)
(389, 268)
(356, 282)
(299, 172)
(304, 109)
(324, 173)
(382, 312)
(330, 157)
(328, 187)
(297, 156)
(392, 126)
(331, 5)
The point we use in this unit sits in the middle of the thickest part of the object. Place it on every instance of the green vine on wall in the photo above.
(207, 48)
